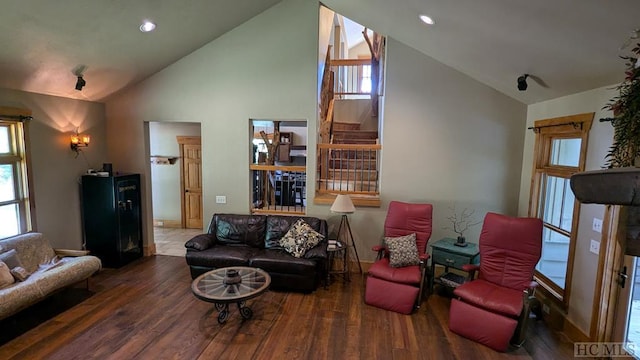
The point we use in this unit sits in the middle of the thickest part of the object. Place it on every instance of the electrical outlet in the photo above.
(221, 199)
(597, 225)
(594, 247)
(545, 308)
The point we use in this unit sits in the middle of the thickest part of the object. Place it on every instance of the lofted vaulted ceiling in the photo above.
(43, 41)
(568, 45)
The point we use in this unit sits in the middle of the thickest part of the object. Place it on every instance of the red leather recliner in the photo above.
(400, 289)
(494, 308)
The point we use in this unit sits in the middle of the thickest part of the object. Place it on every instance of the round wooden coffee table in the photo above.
(235, 284)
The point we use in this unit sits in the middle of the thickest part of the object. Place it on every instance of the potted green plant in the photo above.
(619, 184)
(626, 116)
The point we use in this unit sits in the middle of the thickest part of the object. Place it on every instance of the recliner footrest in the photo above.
(387, 295)
(485, 327)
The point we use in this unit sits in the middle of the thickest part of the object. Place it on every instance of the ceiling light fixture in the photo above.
(522, 82)
(427, 19)
(80, 83)
(147, 26)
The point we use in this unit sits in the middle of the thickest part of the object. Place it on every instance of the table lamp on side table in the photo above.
(343, 205)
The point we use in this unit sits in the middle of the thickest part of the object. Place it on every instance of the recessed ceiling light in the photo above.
(147, 26)
(427, 20)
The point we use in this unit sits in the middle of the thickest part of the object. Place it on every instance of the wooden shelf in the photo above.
(164, 160)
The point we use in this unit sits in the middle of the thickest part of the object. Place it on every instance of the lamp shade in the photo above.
(343, 205)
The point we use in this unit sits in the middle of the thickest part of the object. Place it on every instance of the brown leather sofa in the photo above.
(253, 240)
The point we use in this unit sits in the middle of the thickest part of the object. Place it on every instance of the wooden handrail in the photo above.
(340, 93)
(350, 62)
(351, 192)
(277, 167)
(277, 212)
(350, 146)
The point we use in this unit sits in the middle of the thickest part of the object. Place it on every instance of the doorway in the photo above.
(191, 181)
(627, 322)
(168, 160)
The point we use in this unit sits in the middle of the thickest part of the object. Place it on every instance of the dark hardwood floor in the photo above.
(145, 310)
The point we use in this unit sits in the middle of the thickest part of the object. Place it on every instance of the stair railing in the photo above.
(349, 77)
(278, 189)
(350, 169)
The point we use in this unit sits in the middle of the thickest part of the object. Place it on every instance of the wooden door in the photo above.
(191, 181)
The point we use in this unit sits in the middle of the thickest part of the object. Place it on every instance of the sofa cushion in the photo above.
(221, 256)
(406, 275)
(279, 225)
(300, 238)
(317, 252)
(279, 261)
(492, 297)
(18, 296)
(11, 258)
(231, 229)
(68, 271)
(201, 242)
(19, 273)
(33, 249)
(6, 278)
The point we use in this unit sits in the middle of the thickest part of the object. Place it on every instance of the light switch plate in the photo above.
(597, 225)
(221, 199)
(594, 247)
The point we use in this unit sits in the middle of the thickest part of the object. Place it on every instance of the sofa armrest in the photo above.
(201, 242)
(319, 251)
(69, 252)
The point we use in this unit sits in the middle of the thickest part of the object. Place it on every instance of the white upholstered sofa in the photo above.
(50, 271)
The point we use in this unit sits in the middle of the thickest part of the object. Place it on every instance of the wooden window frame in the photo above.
(547, 130)
(20, 158)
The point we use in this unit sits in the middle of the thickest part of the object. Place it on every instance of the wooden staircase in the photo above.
(347, 156)
(353, 168)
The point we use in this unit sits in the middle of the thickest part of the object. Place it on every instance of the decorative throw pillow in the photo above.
(300, 238)
(11, 259)
(19, 273)
(6, 278)
(403, 250)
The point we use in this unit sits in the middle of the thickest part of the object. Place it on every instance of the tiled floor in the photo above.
(171, 241)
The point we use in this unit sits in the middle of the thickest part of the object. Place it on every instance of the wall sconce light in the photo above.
(79, 141)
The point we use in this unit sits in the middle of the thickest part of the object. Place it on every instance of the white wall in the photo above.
(447, 138)
(360, 50)
(165, 179)
(355, 111)
(325, 38)
(55, 170)
(585, 263)
(263, 69)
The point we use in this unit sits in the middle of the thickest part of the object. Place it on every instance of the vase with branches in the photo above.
(460, 223)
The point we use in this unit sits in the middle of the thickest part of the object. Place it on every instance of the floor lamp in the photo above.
(343, 205)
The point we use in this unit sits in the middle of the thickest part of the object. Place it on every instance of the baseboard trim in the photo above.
(573, 332)
(149, 249)
(364, 264)
(174, 224)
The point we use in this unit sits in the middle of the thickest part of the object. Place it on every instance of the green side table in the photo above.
(444, 252)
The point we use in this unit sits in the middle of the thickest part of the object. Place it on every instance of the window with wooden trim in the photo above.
(560, 151)
(15, 209)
